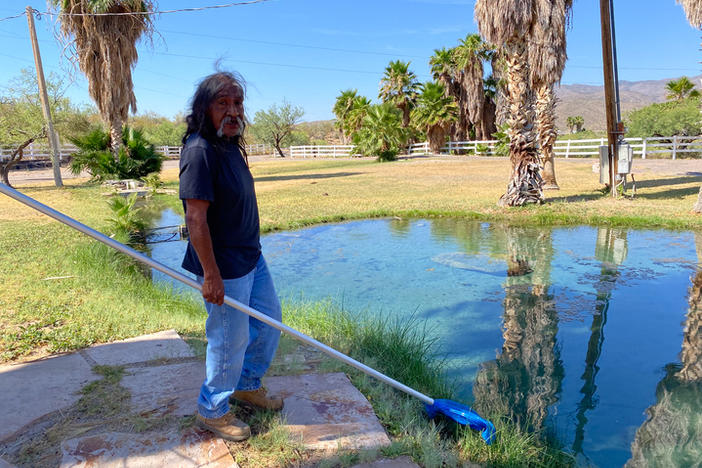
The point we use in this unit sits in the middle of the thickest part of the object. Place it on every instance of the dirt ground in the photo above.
(640, 166)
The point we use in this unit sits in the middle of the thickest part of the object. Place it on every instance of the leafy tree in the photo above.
(434, 114)
(105, 49)
(159, 130)
(342, 108)
(136, 159)
(399, 87)
(666, 119)
(22, 120)
(275, 125)
(681, 89)
(381, 133)
(575, 123)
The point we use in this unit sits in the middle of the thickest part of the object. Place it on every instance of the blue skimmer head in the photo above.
(463, 415)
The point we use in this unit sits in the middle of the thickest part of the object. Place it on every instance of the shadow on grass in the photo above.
(574, 198)
(643, 184)
(305, 176)
(668, 194)
(665, 182)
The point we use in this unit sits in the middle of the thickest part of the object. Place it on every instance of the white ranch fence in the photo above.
(321, 151)
(38, 153)
(653, 147)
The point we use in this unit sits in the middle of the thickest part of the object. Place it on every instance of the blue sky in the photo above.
(307, 51)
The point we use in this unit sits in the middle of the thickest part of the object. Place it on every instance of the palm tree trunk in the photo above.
(525, 184)
(545, 113)
(116, 135)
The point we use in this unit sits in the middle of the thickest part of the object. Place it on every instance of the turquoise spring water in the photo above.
(584, 332)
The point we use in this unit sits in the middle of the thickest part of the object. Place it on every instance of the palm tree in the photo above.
(547, 58)
(359, 109)
(681, 89)
(534, 55)
(105, 49)
(575, 123)
(470, 54)
(693, 11)
(434, 114)
(399, 86)
(380, 134)
(445, 70)
(342, 108)
(508, 28)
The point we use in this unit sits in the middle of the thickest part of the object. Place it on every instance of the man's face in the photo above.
(227, 111)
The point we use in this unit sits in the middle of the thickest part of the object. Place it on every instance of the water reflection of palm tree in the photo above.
(611, 250)
(671, 436)
(525, 379)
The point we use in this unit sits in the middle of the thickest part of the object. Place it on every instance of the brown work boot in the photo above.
(227, 427)
(258, 399)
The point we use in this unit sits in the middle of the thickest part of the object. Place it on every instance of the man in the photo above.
(224, 252)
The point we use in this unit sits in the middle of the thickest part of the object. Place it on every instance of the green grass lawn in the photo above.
(60, 295)
(62, 291)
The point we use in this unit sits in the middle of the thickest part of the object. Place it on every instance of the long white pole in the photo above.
(12, 193)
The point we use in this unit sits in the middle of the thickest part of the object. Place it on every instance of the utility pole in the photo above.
(614, 128)
(44, 97)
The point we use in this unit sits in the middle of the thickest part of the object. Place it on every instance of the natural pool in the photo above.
(592, 334)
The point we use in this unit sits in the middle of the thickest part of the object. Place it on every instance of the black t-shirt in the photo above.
(220, 175)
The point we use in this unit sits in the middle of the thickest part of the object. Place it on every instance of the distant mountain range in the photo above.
(588, 101)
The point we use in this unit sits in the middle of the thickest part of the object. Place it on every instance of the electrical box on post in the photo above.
(625, 155)
(604, 164)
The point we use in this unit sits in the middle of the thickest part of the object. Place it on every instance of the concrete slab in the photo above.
(327, 412)
(171, 389)
(399, 462)
(4, 464)
(165, 344)
(34, 389)
(193, 448)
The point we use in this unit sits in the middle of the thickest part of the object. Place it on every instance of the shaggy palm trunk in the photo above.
(475, 97)
(691, 354)
(489, 118)
(116, 136)
(436, 135)
(525, 184)
(545, 114)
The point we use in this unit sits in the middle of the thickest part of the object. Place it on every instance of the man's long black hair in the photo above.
(199, 120)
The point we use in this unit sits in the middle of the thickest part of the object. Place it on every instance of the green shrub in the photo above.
(381, 133)
(482, 148)
(136, 158)
(126, 221)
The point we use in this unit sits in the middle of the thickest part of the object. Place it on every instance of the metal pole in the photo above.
(610, 107)
(44, 97)
(12, 193)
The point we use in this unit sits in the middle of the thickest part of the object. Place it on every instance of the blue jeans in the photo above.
(240, 348)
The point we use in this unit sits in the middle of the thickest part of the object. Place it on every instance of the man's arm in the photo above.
(199, 231)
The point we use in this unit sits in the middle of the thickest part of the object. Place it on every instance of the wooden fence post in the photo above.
(567, 149)
(643, 148)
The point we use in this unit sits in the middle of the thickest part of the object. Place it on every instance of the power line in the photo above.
(287, 44)
(145, 13)
(306, 67)
(13, 17)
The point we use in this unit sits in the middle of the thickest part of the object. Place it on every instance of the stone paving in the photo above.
(163, 379)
